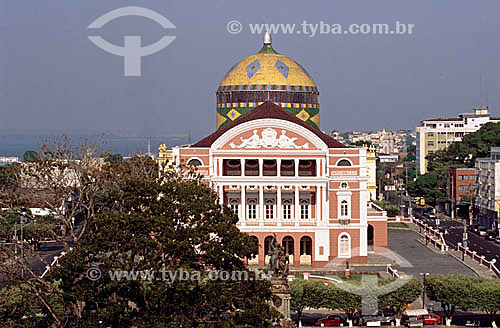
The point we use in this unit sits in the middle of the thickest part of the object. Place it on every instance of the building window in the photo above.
(194, 162)
(344, 185)
(304, 209)
(344, 246)
(287, 209)
(252, 209)
(269, 209)
(343, 162)
(344, 208)
(234, 204)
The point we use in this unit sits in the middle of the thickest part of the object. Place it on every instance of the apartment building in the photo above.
(437, 134)
(488, 189)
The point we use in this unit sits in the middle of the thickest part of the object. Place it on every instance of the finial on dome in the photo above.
(267, 38)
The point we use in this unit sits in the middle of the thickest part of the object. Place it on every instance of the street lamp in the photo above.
(424, 275)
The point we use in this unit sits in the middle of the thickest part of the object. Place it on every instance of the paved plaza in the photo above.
(406, 244)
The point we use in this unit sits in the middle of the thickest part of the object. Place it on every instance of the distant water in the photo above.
(16, 145)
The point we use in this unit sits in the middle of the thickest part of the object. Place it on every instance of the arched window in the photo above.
(252, 209)
(306, 245)
(344, 162)
(344, 208)
(256, 241)
(234, 204)
(288, 245)
(344, 245)
(269, 209)
(194, 162)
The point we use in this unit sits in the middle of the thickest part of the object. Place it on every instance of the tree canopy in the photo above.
(431, 185)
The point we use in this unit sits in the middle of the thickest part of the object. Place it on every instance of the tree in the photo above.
(336, 298)
(20, 307)
(489, 298)
(429, 186)
(306, 293)
(399, 299)
(64, 181)
(453, 292)
(158, 244)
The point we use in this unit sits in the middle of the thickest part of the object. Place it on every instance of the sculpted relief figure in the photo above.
(269, 139)
(287, 142)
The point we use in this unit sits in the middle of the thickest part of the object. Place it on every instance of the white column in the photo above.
(278, 167)
(261, 203)
(325, 209)
(278, 204)
(261, 167)
(296, 161)
(242, 164)
(219, 163)
(318, 170)
(221, 194)
(297, 206)
(319, 201)
(243, 205)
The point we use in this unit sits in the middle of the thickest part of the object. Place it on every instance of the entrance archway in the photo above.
(288, 245)
(370, 238)
(306, 250)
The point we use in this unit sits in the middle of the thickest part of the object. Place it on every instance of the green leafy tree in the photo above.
(172, 235)
(21, 307)
(401, 298)
(336, 298)
(430, 186)
(489, 298)
(306, 293)
(453, 292)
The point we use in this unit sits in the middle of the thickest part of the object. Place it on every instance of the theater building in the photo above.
(280, 174)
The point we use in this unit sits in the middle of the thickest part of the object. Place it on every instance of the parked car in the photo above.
(482, 230)
(473, 228)
(422, 315)
(430, 215)
(431, 319)
(378, 319)
(497, 240)
(491, 235)
(333, 320)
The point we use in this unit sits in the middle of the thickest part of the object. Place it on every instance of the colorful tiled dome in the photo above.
(264, 76)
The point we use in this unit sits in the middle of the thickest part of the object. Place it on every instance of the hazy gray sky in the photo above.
(54, 80)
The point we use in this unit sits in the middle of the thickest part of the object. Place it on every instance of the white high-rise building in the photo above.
(488, 190)
(437, 134)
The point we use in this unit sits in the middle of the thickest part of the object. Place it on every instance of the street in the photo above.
(455, 233)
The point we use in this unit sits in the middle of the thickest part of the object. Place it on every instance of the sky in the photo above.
(53, 79)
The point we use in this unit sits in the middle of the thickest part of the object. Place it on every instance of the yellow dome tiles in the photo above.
(267, 73)
(267, 76)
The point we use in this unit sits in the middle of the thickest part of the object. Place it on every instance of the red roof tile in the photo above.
(268, 110)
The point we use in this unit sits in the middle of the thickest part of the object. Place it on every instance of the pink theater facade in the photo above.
(282, 176)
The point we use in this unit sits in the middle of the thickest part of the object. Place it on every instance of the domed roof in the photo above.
(267, 67)
(267, 76)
